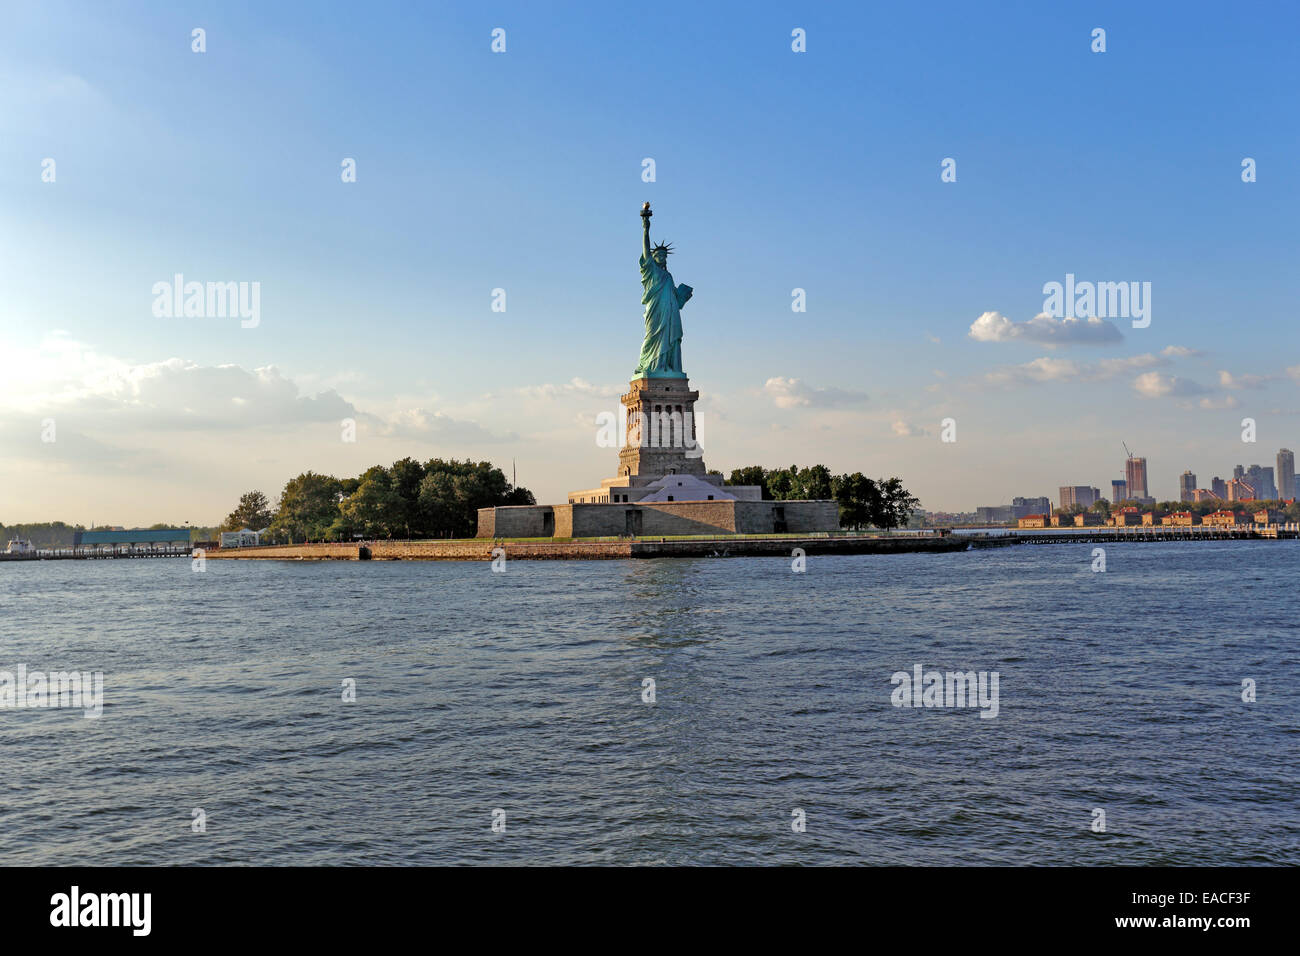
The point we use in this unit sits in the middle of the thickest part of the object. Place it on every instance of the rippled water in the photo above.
(523, 691)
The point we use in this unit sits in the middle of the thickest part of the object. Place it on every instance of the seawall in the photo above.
(480, 549)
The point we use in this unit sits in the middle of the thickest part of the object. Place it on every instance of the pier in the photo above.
(105, 545)
(93, 553)
(1134, 533)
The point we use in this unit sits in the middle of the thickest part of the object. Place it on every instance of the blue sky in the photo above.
(522, 170)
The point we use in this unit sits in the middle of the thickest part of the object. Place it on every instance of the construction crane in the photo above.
(1126, 451)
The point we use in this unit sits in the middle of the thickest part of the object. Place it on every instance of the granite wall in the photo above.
(664, 518)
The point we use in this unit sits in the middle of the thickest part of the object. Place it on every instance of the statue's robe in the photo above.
(661, 352)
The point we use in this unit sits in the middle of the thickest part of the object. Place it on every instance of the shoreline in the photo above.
(686, 546)
(482, 549)
(720, 546)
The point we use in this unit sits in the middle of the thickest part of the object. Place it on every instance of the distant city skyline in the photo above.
(1257, 479)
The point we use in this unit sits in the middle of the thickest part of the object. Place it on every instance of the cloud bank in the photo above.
(1045, 330)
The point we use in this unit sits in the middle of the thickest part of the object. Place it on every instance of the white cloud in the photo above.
(575, 387)
(105, 396)
(22, 438)
(794, 393)
(1179, 351)
(427, 424)
(1228, 380)
(175, 393)
(1047, 369)
(1109, 368)
(1045, 330)
(905, 430)
(1039, 370)
(1158, 385)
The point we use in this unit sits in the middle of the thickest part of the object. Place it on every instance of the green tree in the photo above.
(813, 483)
(863, 502)
(855, 494)
(308, 508)
(894, 505)
(884, 503)
(437, 502)
(519, 496)
(751, 475)
(253, 512)
(374, 510)
(781, 482)
(44, 534)
(406, 476)
(439, 498)
(452, 492)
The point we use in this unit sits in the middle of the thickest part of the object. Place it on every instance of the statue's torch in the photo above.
(645, 211)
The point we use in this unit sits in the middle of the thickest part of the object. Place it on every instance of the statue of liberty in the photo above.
(661, 352)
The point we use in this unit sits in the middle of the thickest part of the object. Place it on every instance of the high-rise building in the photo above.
(1023, 507)
(1019, 508)
(993, 514)
(1270, 487)
(1135, 477)
(1239, 489)
(1082, 496)
(1261, 479)
(1118, 490)
(1186, 486)
(1286, 473)
(1219, 488)
(1239, 472)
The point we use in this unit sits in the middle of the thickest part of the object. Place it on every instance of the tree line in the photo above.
(408, 499)
(43, 534)
(883, 503)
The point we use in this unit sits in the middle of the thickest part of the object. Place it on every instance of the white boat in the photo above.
(20, 546)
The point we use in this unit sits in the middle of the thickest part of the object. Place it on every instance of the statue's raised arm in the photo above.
(645, 231)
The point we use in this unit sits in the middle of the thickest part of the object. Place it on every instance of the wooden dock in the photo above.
(97, 554)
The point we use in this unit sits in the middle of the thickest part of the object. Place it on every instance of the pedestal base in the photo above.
(661, 436)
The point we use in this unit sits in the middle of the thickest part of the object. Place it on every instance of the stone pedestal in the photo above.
(661, 437)
(660, 441)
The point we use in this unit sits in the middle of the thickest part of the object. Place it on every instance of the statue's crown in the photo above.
(665, 247)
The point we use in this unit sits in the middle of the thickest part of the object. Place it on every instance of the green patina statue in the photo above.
(661, 352)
